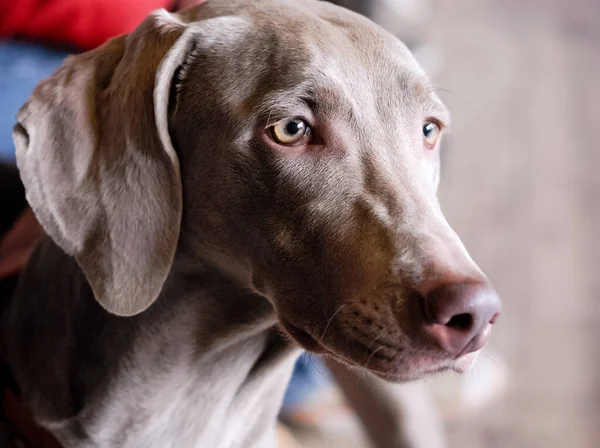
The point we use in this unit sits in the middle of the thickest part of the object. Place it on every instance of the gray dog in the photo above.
(218, 187)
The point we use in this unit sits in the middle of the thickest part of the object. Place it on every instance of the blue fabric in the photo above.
(22, 66)
(309, 377)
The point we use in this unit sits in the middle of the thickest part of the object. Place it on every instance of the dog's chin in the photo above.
(466, 363)
(409, 370)
(423, 367)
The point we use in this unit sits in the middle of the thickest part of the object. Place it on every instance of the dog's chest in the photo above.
(227, 399)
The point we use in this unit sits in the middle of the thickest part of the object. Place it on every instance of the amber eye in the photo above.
(431, 133)
(290, 132)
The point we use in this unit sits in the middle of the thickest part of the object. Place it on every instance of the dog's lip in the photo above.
(479, 341)
(424, 366)
(462, 363)
(465, 363)
(304, 339)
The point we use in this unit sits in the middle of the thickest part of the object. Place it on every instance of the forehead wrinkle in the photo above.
(284, 104)
(346, 72)
(340, 93)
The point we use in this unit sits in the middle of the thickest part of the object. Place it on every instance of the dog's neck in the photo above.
(241, 361)
(207, 354)
(231, 309)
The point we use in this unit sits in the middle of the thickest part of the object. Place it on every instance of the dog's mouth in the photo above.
(305, 340)
(388, 367)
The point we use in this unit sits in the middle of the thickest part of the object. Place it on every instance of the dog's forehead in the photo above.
(290, 50)
(315, 37)
(333, 39)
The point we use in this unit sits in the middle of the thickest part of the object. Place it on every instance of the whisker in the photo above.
(269, 117)
(375, 340)
(314, 366)
(371, 356)
(320, 372)
(438, 89)
(491, 359)
(329, 322)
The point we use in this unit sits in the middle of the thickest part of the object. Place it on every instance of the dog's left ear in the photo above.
(99, 167)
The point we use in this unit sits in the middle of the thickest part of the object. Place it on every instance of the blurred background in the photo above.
(520, 185)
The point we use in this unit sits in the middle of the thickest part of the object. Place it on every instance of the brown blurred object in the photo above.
(19, 243)
(12, 196)
(286, 439)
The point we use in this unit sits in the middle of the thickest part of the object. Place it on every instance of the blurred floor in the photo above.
(522, 188)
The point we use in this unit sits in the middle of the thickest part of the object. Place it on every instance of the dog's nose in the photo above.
(459, 315)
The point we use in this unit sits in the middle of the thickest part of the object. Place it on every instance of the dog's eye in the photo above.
(431, 133)
(291, 132)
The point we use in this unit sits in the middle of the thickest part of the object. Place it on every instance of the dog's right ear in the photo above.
(98, 165)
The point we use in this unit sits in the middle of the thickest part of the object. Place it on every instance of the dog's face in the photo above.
(295, 146)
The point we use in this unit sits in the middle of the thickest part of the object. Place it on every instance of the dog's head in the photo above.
(293, 145)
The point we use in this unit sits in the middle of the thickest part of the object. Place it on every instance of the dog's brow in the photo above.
(282, 105)
(435, 108)
(425, 95)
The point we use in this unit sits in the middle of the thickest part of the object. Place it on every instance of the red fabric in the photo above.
(80, 23)
(21, 418)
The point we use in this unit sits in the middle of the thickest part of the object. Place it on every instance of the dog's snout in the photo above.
(459, 315)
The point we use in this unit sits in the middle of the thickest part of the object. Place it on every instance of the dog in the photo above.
(220, 188)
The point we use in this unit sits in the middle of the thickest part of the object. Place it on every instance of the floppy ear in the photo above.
(98, 165)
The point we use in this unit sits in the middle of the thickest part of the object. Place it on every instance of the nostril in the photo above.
(457, 315)
(461, 322)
